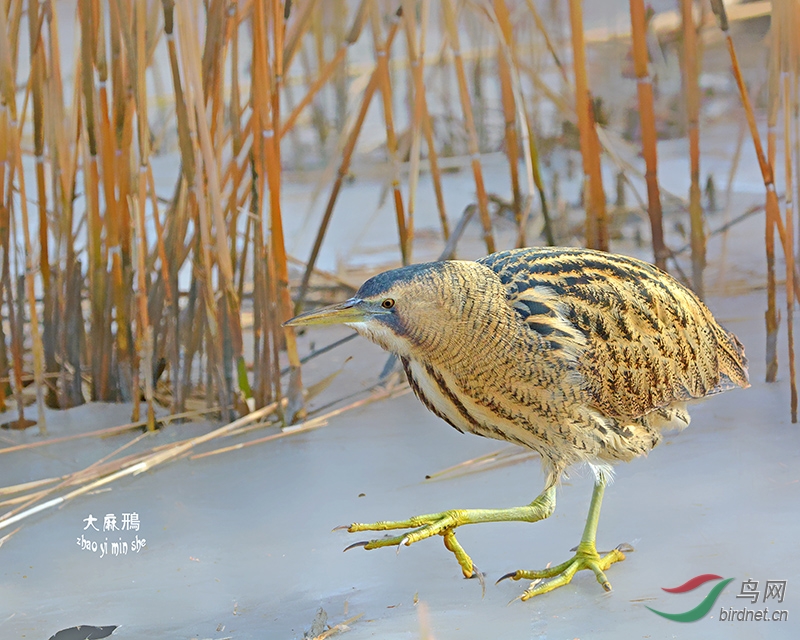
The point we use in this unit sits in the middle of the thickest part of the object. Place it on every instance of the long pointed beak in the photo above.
(352, 310)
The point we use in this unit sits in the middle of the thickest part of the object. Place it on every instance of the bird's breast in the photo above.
(468, 408)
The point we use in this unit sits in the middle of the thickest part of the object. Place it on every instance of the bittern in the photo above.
(580, 355)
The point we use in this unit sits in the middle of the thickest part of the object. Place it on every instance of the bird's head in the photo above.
(416, 306)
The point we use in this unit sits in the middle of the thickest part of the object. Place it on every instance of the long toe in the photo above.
(445, 523)
(421, 527)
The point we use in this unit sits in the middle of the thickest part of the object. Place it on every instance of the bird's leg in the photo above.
(444, 524)
(586, 557)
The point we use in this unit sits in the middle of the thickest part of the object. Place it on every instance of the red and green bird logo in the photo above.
(693, 615)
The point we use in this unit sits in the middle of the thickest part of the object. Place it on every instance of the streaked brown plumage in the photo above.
(580, 355)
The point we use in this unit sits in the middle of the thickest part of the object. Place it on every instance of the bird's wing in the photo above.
(640, 339)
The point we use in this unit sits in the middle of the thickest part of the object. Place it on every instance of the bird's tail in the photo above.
(732, 361)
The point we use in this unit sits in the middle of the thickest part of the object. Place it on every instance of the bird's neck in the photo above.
(485, 325)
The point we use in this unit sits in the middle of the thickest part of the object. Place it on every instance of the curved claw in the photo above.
(404, 542)
(341, 527)
(513, 600)
(363, 543)
(512, 576)
(481, 578)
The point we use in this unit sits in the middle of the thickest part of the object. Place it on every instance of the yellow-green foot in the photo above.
(422, 527)
(586, 557)
(445, 523)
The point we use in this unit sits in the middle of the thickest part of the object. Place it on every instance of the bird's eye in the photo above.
(388, 303)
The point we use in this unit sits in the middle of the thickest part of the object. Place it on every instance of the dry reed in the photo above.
(647, 119)
(451, 25)
(787, 20)
(690, 67)
(772, 210)
(594, 197)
